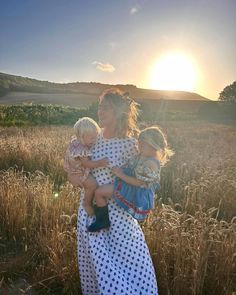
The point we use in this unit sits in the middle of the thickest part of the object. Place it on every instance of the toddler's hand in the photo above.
(117, 171)
(104, 162)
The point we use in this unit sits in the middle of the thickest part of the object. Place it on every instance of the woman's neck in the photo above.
(109, 133)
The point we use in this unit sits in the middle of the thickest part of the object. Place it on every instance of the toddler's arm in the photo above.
(87, 163)
(128, 179)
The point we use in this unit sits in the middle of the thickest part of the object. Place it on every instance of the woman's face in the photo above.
(106, 114)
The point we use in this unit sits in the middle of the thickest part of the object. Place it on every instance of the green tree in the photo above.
(229, 93)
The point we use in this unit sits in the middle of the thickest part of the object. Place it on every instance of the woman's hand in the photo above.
(117, 172)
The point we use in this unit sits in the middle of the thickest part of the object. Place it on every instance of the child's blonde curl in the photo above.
(84, 126)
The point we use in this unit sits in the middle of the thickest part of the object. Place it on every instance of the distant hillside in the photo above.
(17, 89)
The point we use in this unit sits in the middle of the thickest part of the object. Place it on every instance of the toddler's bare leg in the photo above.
(102, 193)
(90, 186)
(73, 178)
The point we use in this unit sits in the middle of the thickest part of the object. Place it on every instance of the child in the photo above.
(77, 162)
(135, 185)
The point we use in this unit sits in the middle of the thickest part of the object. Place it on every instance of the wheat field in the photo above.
(191, 233)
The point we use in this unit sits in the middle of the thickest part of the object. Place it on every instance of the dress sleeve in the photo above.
(74, 153)
(71, 155)
(148, 171)
(77, 150)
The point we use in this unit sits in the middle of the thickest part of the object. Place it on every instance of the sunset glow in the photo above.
(175, 45)
(173, 71)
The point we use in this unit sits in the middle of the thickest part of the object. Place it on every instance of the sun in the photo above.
(173, 71)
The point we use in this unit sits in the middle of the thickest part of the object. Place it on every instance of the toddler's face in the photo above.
(145, 149)
(90, 139)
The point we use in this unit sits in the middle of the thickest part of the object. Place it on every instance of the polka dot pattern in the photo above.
(114, 261)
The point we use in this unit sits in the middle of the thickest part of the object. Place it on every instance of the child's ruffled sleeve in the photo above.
(77, 150)
(74, 153)
(148, 171)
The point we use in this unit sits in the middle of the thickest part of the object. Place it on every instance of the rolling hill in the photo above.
(17, 90)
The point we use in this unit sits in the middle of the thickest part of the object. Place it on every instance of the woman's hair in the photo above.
(156, 138)
(85, 125)
(126, 110)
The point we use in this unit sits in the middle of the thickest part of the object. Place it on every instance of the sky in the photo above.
(122, 42)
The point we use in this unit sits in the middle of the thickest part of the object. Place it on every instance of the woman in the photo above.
(117, 260)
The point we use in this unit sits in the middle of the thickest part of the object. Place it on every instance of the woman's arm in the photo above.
(87, 163)
(128, 179)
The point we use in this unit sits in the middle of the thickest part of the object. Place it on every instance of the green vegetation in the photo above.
(39, 114)
(229, 93)
(31, 115)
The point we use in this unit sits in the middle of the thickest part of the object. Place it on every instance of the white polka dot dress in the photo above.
(115, 261)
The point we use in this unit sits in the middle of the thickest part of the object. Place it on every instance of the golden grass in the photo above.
(34, 149)
(41, 222)
(191, 238)
(192, 254)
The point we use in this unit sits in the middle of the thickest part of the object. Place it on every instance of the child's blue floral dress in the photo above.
(137, 200)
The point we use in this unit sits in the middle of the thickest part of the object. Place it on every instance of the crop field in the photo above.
(191, 233)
